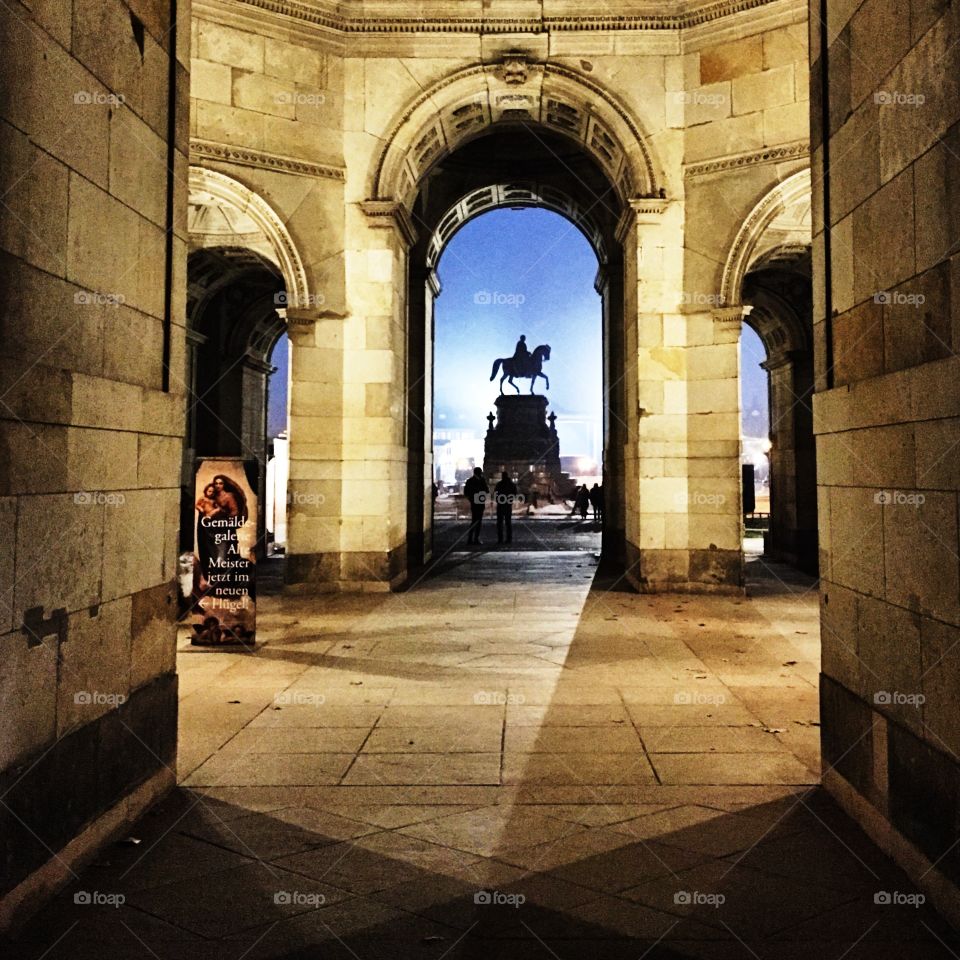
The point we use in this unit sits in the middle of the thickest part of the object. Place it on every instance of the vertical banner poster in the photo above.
(224, 562)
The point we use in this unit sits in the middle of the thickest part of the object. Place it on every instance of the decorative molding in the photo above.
(604, 126)
(332, 20)
(235, 194)
(639, 211)
(209, 150)
(734, 314)
(795, 187)
(792, 151)
(390, 213)
(519, 193)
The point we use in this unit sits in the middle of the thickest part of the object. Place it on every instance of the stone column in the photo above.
(316, 426)
(681, 462)
(792, 536)
(714, 496)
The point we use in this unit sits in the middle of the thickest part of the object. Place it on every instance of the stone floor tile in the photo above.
(425, 768)
(573, 768)
(482, 739)
(712, 739)
(265, 769)
(709, 768)
(613, 739)
(491, 830)
(290, 739)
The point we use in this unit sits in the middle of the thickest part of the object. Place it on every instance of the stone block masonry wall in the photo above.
(92, 293)
(886, 117)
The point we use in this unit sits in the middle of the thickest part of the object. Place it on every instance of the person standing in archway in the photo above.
(476, 491)
(505, 493)
(596, 501)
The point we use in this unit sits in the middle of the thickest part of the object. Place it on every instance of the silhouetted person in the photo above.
(506, 492)
(521, 354)
(582, 502)
(596, 501)
(476, 491)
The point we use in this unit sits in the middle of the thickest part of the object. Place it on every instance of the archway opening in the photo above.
(516, 165)
(233, 329)
(778, 289)
(754, 440)
(511, 272)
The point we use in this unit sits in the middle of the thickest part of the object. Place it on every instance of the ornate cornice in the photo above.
(639, 211)
(389, 213)
(792, 151)
(331, 20)
(730, 315)
(201, 150)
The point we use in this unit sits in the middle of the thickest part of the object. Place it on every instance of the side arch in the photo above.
(250, 216)
(779, 223)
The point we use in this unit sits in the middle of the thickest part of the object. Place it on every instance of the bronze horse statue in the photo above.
(529, 369)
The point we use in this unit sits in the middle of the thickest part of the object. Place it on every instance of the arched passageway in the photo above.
(515, 165)
(233, 327)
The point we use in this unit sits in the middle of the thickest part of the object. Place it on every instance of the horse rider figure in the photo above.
(522, 356)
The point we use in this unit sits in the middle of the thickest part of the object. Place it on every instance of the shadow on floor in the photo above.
(211, 880)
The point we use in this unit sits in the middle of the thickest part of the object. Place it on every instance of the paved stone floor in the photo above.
(515, 759)
(538, 534)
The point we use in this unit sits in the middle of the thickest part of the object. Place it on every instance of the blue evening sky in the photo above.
(512, 272)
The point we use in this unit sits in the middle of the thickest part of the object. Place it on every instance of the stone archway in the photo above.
(462, 106)
(246, 283)
(779, 222)
(767, 272)
(224, 211)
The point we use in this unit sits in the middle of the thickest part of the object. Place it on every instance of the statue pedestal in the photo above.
(524, 442)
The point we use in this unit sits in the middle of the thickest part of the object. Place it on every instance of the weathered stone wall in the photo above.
(886, 418)
(90, 423)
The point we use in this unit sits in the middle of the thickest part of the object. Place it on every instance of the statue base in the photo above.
(524, 442)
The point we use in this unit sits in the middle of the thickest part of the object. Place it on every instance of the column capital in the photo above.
(733, 314)
(640, 210)
(391, 214)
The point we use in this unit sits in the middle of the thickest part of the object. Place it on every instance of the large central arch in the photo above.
(513, 134)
